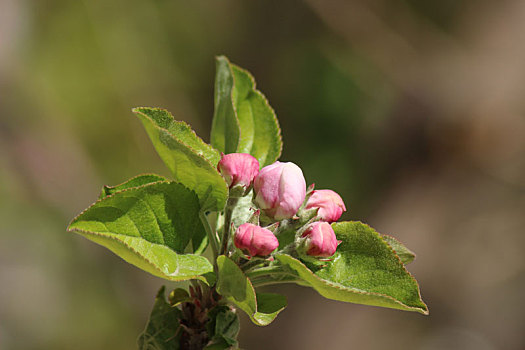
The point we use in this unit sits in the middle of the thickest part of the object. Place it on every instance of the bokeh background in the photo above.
(413, 110)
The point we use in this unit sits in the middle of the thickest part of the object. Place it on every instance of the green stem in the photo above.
(250, 264)
(228, 212)
(212, 237)
(266, 270)
(270, 279)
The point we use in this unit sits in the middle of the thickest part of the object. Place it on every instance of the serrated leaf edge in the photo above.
(397, 240)
(214, 168)
(133, 178)
(207, 145)
(231, 99)
(399, 261)
(149, 262)
(266, 102)
(353, 290)
(69, 229)
(124, 190)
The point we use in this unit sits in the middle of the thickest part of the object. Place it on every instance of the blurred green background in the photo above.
(412, 110)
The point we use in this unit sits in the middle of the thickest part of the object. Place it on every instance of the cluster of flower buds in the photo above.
(280, 191)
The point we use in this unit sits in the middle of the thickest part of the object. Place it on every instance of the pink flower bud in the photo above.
(320, 239)
(330, 205)
(257, 241)
(280, 190)
(238, 169)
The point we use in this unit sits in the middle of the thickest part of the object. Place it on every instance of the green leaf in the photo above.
(163, 328)
(237, 288)
(136, 181)
(260, 133)
(364, 270)
(227, 324)
(405, 254)
(149, 227)
(243, 120)
(244, 210)
(223, 328)
(225, 126)
(192, 161)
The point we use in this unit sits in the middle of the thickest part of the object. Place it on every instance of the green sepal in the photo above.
(233, 285)
(364, 270)
(192, 161)
(163, 328)
(149, 226)
(136, 181)
(405, 254)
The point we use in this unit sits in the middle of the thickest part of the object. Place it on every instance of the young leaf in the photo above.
(364, 270)
(163, 329)
(405, 254)
(225, 125)
(227, 324)
(136, 181)
(260, 133)
(192, 161)
(237, 288)
(223, 328)
(149, 227)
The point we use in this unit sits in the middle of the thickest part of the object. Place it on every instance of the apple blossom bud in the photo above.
(257, 241)
(280, 190)
(330, 205)
(238, 169)
(320, 239)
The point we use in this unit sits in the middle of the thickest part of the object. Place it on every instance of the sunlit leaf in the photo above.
(260, 133)
(364, 270)
(149, 227)
(243, 119)
(225, 128)
(136, 181)
(192, 161)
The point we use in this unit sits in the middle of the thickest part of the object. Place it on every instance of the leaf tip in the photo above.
(160, 293)
(222, 58)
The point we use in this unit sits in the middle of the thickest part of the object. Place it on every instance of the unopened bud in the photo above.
(320, 240)
(238, 169)
(280, 190)
(330, 204)
(255, 240)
